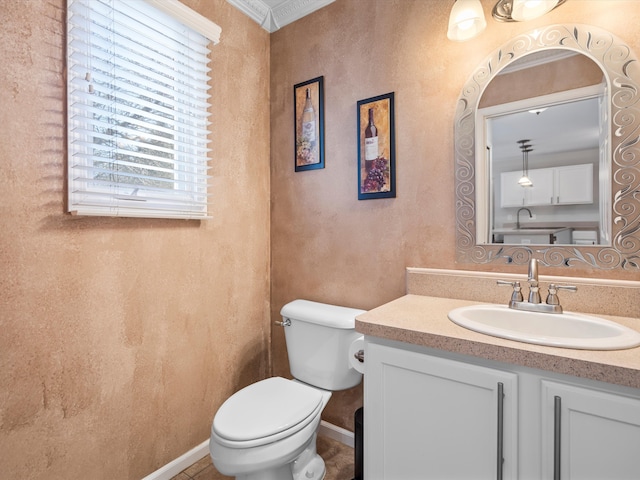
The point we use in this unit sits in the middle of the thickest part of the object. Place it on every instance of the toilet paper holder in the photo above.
(359, 355)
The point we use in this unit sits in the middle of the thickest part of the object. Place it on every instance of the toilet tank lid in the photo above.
(321, 313)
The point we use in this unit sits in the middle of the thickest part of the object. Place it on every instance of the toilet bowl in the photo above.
(268, 430)
(260, 431)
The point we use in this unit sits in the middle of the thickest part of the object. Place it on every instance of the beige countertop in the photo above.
(423, 321)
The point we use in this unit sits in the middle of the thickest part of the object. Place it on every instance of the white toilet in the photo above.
(267, 431)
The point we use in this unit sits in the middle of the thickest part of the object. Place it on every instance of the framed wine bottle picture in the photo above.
(376, 148)
(308, 101)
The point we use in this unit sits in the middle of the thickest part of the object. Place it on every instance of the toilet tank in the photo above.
(318, 339)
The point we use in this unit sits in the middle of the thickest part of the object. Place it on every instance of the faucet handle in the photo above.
(516, 296)
(552, 297)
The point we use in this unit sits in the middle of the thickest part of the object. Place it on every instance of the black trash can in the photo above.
(358, 443)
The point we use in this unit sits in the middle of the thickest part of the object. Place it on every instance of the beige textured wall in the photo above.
(114, 352)
(574, 72)
(119, 338)
(327, 245)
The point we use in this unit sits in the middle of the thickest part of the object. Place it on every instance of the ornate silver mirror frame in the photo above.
(620, 67)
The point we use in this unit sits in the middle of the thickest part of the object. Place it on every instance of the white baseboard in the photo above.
(337, 433)
(174, 467)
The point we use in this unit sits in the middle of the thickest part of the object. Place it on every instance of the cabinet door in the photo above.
(515, 195)
(574, 184)
(432, 418)
(541, 192)
(597, 436)
(511, 193)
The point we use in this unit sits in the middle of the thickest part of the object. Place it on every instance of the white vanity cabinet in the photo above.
(430, 414)
(589, 434)
(433, 418)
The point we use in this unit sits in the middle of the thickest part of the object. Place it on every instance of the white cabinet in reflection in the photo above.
(567, 185)
(511, 193)
(543, 188)
(573, 184)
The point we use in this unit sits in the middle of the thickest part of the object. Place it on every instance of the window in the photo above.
(137, 103)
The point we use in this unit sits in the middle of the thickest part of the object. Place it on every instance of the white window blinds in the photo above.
(137, 99)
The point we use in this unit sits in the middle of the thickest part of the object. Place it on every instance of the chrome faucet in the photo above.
(534, 289)
(552, 304)
(518, 216)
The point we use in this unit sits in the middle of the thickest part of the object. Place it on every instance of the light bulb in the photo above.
(466, 20)
(523, 10)
(525, 182)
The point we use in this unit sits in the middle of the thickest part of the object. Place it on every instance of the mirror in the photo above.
(560, 109)
(584, 205)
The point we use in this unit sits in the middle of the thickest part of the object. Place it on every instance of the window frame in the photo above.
(165, 202)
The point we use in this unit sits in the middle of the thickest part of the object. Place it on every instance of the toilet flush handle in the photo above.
(285, 323)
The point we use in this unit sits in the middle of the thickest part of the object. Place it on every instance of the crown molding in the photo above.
(275, 14)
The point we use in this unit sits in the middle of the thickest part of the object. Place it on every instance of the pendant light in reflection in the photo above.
(525, 146)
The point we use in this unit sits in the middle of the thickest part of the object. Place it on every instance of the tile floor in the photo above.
(338, 458)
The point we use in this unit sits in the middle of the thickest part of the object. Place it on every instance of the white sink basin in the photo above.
(566, 330)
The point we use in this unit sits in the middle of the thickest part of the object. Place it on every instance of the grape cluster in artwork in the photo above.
(375, 179)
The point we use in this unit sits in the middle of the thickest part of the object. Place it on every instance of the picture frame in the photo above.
(376, 147)
(308, 101)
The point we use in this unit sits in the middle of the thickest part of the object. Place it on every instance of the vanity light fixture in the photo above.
(523, 10)
(525, 146)
(466, 20)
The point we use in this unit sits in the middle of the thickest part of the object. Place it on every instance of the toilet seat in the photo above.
(266, 411)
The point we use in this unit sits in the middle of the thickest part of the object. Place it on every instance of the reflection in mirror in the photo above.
(559, 106)
(564, 129)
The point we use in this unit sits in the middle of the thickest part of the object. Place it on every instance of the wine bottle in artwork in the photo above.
(309, 121)
(370, 142)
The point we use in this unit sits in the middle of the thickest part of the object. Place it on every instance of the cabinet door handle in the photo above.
(557, 404)
(500, 456)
